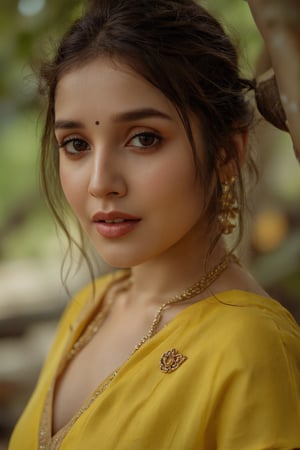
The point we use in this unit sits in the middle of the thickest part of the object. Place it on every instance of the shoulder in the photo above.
(258, 331)
(258, 361)
(89, 296)
(77, 315)
(242, 330)
(255, 315)
(244, 311)
(81, 307)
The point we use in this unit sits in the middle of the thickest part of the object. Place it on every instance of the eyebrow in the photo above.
(127, 116)
(67, 125)
(142, 113)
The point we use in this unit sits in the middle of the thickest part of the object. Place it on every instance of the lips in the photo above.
(114, 223)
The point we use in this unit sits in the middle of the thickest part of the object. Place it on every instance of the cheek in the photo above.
(70, 186)
(172, 181)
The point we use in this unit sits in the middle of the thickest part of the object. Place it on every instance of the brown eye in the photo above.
(75, 145)
(145, 140)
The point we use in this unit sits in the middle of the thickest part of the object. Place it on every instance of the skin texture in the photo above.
(155, 183)
(279, 24)
(142, 166)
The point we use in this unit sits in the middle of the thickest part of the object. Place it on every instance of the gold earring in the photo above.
(229, 208)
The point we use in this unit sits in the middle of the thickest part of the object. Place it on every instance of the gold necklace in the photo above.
(197, 288)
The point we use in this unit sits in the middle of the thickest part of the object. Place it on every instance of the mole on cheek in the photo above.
(97, 122)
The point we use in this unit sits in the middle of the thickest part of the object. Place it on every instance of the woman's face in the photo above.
(126, 165)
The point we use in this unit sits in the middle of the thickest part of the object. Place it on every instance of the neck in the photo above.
(158, 280)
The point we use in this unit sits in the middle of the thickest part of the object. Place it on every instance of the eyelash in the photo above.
(148, 134)
(70, 140)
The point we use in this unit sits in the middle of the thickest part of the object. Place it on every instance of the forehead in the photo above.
(105, 85)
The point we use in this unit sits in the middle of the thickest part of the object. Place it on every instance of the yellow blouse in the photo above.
(237, 389)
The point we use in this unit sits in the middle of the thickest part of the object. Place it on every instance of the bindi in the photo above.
(97, 122)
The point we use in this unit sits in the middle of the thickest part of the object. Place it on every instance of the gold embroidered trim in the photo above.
(45, 424)
(46, 441)
(53, 443)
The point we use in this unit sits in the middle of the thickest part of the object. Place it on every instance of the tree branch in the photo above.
(279, 24)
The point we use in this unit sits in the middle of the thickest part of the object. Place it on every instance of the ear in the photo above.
(228, 166)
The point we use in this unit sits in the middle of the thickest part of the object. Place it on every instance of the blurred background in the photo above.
(31, 293)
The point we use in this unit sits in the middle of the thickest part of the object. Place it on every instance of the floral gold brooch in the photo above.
(171, 360)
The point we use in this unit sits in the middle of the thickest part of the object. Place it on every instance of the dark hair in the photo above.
(182, 50)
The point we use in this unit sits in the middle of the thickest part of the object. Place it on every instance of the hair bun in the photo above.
(268, 100)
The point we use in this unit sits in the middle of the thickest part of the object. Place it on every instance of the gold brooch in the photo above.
(171, 360)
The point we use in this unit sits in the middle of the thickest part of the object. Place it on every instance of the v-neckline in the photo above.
(48, 440)
(54, 440)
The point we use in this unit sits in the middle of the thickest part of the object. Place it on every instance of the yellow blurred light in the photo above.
(270, 229)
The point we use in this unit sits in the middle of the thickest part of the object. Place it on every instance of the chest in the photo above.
(142, 405)
(106, 351)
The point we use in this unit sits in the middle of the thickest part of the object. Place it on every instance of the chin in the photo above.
(120, 261)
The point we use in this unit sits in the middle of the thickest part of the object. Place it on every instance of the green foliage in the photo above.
(25, 227)
(25, 42)
(237, 20)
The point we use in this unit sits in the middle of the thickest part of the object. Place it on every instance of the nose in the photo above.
(106, 176)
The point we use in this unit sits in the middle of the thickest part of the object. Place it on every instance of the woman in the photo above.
(146, 136)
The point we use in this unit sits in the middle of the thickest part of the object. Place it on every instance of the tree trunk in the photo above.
(279, 24)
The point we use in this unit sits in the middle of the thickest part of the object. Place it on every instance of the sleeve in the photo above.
(259, 408)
